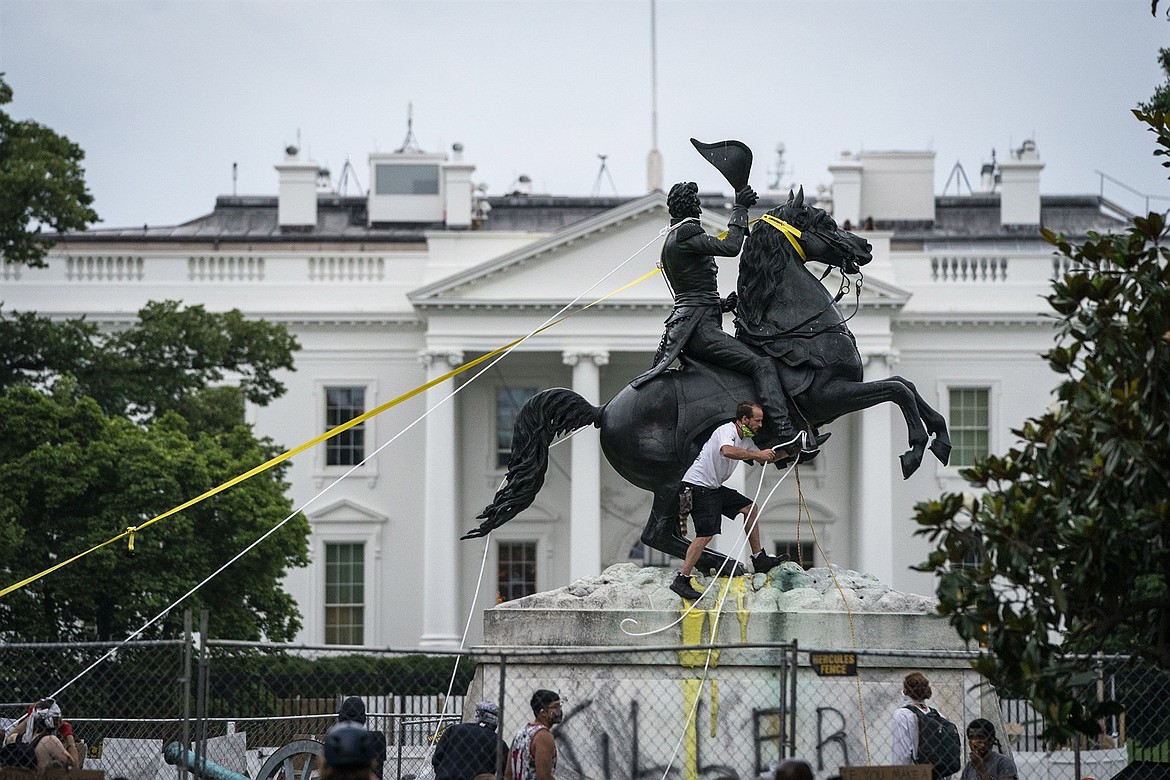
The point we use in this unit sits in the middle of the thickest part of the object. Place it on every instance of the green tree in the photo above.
(99, 432)
(1159, 102)
(1072, 533)
(41, 183)
(173, 359)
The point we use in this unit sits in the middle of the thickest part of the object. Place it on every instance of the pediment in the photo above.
(877, 292)
(556, 269)
(561, 267)
(345, 511)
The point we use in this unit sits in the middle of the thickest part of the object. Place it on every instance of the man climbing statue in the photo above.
(695, 325)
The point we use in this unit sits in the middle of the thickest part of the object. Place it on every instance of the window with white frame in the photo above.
(798, 552)
(345, 587)
(970, 424)
(342, 404)
(517, 570)
(508, 403)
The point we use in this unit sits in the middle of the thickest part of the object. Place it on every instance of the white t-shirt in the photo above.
(711, 469)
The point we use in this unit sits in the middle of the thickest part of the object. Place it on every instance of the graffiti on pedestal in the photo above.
(618, 745)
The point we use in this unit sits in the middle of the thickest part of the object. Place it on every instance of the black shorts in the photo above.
(710, 504)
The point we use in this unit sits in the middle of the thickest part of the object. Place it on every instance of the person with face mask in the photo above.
(710, 500)
(534, 749)
(984, 761)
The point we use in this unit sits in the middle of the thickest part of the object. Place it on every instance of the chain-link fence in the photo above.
(699, 711)
(130, 698)
(689, 713)
(850, 720)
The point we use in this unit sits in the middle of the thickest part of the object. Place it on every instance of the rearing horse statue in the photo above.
(653, 433)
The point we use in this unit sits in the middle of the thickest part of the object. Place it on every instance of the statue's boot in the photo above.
(805, 449)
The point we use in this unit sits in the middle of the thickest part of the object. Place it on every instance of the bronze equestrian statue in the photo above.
(651, 431)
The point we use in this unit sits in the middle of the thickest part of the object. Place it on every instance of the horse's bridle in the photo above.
(792, 234)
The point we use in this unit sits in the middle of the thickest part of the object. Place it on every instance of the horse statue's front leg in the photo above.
(662, 533)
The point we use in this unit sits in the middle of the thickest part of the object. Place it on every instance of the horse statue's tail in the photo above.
(547, 414)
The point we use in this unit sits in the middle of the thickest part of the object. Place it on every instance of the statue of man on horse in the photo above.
(695, 325)
(790, 334)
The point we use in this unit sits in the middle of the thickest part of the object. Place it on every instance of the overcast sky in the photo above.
(165, 95)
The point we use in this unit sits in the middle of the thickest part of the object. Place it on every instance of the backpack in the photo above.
(938, 742)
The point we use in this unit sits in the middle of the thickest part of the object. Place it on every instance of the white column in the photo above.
(585, 473)
(872, 509)
(440, 586)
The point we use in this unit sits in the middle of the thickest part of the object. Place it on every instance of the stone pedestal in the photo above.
(639, 697)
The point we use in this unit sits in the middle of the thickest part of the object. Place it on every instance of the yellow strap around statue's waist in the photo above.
(789, 232)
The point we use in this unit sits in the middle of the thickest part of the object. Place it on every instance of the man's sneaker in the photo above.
(764, 563)
(682, 586)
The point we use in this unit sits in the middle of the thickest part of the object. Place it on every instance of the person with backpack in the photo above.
(984, 763)
(921, 734)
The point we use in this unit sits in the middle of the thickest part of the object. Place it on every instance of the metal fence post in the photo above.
(185, 726)
(791, 666)
(501, 760)
(401, 739)
(201, 697)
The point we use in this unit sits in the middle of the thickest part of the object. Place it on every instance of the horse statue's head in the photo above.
(793, 232)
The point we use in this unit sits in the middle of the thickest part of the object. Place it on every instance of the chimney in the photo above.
(296, 207)
(846, 173)
(897, 186)
(1019, 186)
(457, 190)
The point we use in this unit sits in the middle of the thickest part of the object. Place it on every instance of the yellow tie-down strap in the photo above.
(789, 232)
(131, 530)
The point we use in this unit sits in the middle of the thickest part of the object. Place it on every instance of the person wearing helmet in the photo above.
(349, 754)
(352, 715)
(469, 749)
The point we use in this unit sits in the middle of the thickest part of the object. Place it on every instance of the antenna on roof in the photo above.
(779, 169)
(410, 143)
(603, 171)
(348, 171)
(235, 177)
(956, 174)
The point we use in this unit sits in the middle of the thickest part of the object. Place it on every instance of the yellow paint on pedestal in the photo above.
(692, 634)
(713, 634)
(739, 588)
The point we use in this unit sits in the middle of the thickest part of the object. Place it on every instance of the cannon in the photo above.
(294, 761)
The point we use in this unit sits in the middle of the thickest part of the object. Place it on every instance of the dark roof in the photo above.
(545, 213)
(343, 219)
(976, 217)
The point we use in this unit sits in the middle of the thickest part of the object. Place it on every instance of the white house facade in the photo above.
(423, 275)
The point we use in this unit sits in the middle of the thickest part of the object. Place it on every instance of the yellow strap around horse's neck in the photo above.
(789, 232)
